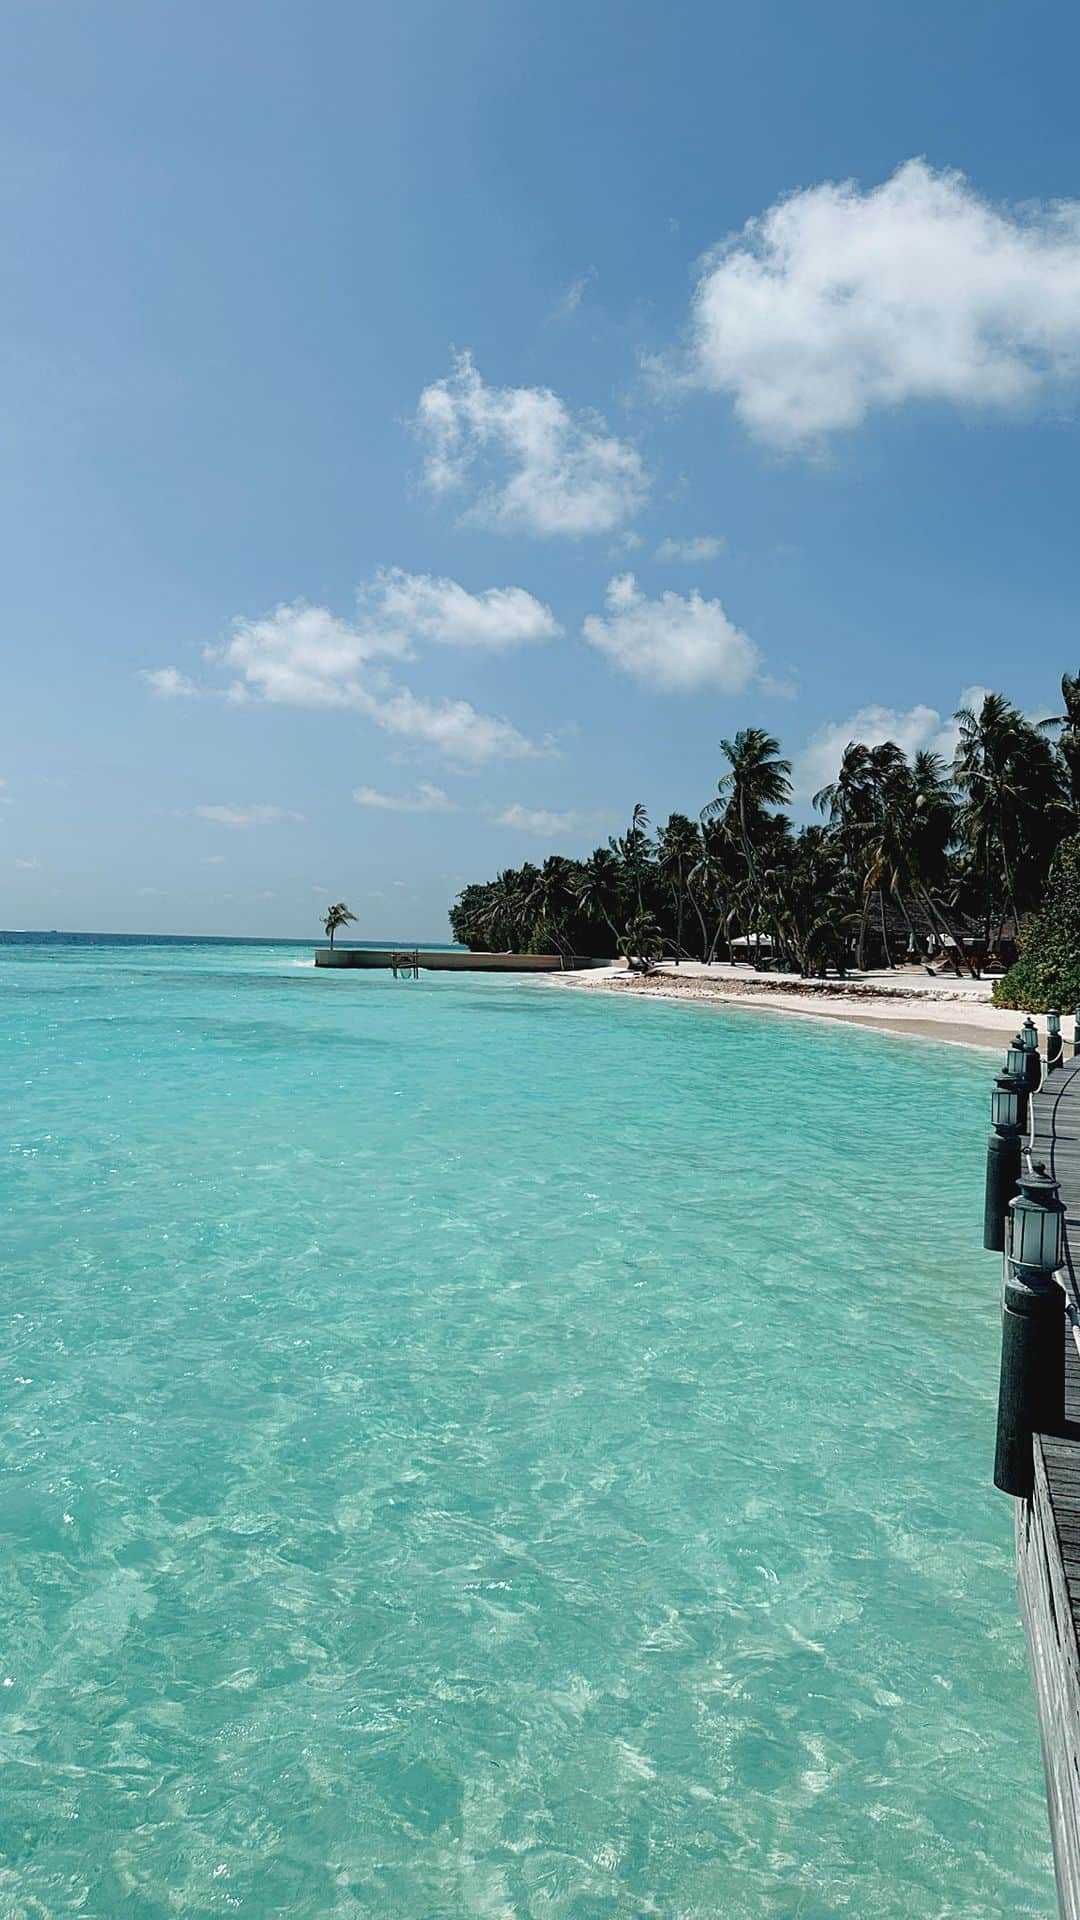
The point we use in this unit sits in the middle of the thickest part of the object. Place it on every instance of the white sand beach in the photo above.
(906, 1000)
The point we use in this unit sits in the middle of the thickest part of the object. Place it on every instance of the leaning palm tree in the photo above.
(597, 889)
(643, 941)
(549, 902)
(337, 916)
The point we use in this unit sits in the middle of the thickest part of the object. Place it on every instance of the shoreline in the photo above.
(954, 1013)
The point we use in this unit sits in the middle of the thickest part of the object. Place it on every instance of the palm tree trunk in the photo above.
(884, 928)
(704, 928)
(988, 893)
(901, 903)
(859, 949)
(953, 948)
(1009, 894)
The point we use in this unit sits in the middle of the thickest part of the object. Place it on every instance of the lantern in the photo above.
(1029, 1033)
(1035, 1232)
(1014, 1058)
(1005, 1102)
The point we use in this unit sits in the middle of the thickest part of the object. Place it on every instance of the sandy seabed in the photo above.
(904, 1001)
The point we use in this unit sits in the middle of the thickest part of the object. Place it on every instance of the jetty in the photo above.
(440, 960)
(1038, 1440)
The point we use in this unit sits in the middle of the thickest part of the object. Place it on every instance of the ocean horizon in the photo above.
(476, 1449)
(13, 935)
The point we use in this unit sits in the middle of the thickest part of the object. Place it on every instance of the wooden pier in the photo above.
(1048, 1523)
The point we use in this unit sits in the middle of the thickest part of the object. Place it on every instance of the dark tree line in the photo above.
(911, 855)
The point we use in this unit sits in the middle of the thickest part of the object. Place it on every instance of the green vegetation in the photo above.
(1047, 973)
(337, 916)
(912, 857)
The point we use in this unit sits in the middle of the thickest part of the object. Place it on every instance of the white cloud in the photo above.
(837, 302)
(675, 644)
(693, 552)
(246, 816)
(425, 608)
(547, 470)
(303, 656)
(300, 655)
(425, 799)
(549, 826)
(168, 683)
(452, 727)
(28, 866)
(151, 893)
(306, 656)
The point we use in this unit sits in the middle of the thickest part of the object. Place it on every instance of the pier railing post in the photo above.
(1031, 1395)
(1055, 1045)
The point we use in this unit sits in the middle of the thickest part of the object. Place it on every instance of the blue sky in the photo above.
(412, 459)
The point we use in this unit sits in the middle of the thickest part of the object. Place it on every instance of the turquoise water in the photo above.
(475, 1449)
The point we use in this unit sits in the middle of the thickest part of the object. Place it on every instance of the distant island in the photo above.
(972, 866)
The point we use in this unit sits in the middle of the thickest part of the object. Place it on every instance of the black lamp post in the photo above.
(1076, 1032)
(1007, 1104)
(1016, 1065)
(1031, 1397)
(1029, 1033)
(1055, 1045)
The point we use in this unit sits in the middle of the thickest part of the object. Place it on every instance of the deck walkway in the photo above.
(1055, 1138)
(1048, 1525)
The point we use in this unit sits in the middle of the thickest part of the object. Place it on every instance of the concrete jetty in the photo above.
(432, 960)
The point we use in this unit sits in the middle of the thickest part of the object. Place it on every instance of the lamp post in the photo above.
(1029, 1033)
(1015, 1064)
(1055, 1045)
(1031, 1396)
(1076, 1032)
(1002, 1154)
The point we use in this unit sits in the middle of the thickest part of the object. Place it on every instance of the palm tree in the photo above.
(679, 845)
(715, 883)
(337, 916)
(504, 915)
(978, 836)
(643, 941)
(1068, 739)
(598, 888)
(549, 901)
(1013, 804)
(757, 778)
(633, 850)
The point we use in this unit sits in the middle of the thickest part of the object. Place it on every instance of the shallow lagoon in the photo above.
(477, 1449)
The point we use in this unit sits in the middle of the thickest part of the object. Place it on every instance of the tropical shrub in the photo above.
(1047, 974)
